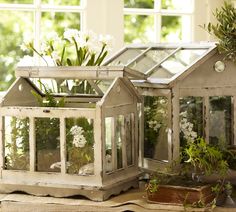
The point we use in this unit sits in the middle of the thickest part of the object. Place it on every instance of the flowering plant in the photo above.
(74, 48)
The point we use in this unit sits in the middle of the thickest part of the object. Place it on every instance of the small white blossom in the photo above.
(71, 33)
(26, 61)
(55, 56)
(78, 137)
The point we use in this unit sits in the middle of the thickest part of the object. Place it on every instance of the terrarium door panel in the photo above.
(120, 143)
(157, 146)
(39, 142)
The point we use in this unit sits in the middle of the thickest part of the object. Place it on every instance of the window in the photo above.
(148, 21)
(24, 19)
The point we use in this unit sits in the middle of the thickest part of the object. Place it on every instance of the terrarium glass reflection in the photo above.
(47, 132)
(220, 126)
(191, 118)
(80, 146)
(155, 127)
(16, 139)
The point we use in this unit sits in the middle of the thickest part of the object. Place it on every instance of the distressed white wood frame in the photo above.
(148, 163)
(78, 72)
(112, 108)
(120, 99)
(63, 177)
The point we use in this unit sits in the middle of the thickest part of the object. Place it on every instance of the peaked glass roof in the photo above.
(162, 62)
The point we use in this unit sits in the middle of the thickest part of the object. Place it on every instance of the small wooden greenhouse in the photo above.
(70, 131)
(87, 130)
(190, 91)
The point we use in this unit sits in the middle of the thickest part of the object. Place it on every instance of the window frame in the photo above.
(158, 13)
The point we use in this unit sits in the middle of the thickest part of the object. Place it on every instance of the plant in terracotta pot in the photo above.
(198, 159)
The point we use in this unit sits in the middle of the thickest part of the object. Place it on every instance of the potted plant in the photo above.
(186, 186)
(224, 30)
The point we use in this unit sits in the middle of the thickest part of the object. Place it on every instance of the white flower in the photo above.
(55, 56)
(26, 61)
(44, 47)
(71, 33)
(107, 40)
(78, 139)
(49, 61)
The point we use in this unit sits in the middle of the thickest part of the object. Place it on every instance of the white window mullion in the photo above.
(37, 24)
(157, 20)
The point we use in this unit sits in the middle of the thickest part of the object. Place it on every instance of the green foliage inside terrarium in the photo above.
(16, 138)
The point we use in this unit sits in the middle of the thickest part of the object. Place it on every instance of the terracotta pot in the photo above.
(181, 194)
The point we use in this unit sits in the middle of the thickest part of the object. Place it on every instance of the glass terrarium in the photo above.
(189, 92)
(70, 131)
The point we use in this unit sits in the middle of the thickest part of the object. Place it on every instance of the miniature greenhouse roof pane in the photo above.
(149, 59)
(178, 62)
(126, 56)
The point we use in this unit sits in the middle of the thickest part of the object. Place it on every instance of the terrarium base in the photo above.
(93, 193)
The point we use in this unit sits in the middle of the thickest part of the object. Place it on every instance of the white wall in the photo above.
(203, 14)
(106, 17)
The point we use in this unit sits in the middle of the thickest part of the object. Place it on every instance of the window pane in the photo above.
(139, 3)
(109, 135)
(119, 140)
(191, 118)
(79, 146)
(16, 137)
(171, 30)
(127, 56)
(58, 21)
(176, 4)
(47, 144)
(64, 86)
(139, 29)
(13, 27)
(150, 59)
(220, 129)
(155, 128)
(17, 1)
(62, 2)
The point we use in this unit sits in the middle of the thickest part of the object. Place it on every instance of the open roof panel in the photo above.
(161, 63)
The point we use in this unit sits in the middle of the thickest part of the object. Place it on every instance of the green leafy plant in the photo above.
(224, 30)
(200, 157)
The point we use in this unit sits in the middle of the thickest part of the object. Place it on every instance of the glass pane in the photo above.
(47, 144)
(127, 56)
(63, 86)
(58, 22)
(79, 146)
(155, 127)
(171, 30)
(129, 134)
(220, 129)
(139, 4)
(14, 27)
(150, 59)
(119, 140)
(139, 29)
(191, 119)
(178, 62)
(176, 4)
(16, 137)
(17, 1)
(62, 2)
(109, 135)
